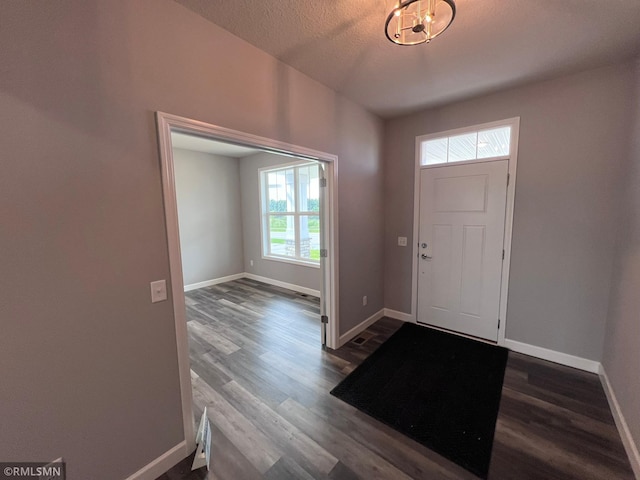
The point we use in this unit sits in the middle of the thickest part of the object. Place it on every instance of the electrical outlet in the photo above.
(158, 291)
(251, 263)
(364, 301)
(402, 241)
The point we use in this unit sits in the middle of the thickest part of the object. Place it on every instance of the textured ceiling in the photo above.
(491, 44)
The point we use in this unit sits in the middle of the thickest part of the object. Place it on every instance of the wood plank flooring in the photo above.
(258, 367)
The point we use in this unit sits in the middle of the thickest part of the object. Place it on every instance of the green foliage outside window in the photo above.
(279, 224)
(281, 205)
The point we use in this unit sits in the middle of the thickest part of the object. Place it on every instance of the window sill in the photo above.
(293, 261)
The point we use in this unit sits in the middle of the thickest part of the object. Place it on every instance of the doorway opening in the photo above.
(463, 218)
(293, 214)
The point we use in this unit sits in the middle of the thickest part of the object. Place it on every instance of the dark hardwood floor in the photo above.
(258, 367)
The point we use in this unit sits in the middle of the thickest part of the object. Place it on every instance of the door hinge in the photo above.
(503, 253)
(323, 182)
(498, 324)
(508, 177)
(324, 319)
(324, 253)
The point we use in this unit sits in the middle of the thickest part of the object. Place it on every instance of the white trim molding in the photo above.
(553, 356)
(395, 314)
(168, 123)
(361, 327)
(278, 283)
(630, 445)
(164, 462)
(214, 281)
(258, 278)
(164, 124)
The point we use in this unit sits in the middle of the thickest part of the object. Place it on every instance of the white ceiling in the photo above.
(492, 44)
(207, 145)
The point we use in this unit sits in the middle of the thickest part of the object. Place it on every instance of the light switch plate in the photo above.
(402, 241)
(158, 291)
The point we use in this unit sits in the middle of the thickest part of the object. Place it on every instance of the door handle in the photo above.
(426, 257)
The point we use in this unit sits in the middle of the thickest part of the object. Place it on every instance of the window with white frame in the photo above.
(291, 213)
(467, 146)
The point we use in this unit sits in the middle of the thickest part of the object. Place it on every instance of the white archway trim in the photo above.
(167, 123)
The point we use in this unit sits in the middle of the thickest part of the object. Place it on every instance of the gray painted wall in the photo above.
(573, 137)
(87, 362)
(303, 276)
(209, 215)
(621, 352)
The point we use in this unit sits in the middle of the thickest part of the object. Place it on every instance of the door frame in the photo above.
(167, 123)
(514, 123)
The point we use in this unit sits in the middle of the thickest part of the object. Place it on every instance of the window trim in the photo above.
(265, 231)
(509, 122)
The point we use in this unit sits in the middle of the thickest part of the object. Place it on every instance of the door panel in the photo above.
(461, 193)
(472, 256)
(462, 216)
(441, 265)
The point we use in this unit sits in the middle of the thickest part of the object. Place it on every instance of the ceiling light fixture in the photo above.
(412, 22)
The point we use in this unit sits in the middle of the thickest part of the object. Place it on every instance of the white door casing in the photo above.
(460, 246)
(166, 123)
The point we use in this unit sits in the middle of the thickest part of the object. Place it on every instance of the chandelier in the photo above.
(412, 22)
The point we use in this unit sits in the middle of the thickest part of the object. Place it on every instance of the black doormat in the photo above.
(442, 390)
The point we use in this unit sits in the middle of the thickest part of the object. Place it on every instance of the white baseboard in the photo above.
(347, 336)
(161, 464)
(553, 356)
(215, 281)
(237, 276)
(278, 283)
(630, 445)
(405, 317)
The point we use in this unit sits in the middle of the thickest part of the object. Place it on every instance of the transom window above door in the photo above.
(466, 145)
(290, 223)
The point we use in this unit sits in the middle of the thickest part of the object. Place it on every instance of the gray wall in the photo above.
(87, 362)
(621, 351)
(303, 276)
(209, 214)
(573, 137)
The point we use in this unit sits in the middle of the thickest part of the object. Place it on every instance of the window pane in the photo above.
(291, 189)
(309, 188)
(282, 235)
(462, 147)
(494, 143)
(310, 237)
(434, 151)
(280, 191)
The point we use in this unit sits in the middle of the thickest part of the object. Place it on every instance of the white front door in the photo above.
(462, 217)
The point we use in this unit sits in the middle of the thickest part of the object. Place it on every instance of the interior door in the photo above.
(462, 217)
